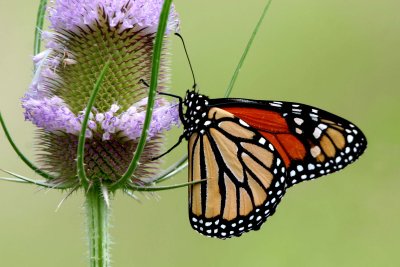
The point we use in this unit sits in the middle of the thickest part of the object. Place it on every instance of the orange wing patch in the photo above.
(288, 145)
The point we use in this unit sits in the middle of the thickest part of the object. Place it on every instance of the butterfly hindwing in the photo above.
(311, 141)
(245, 177)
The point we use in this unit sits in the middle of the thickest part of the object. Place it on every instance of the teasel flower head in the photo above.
(83, 36)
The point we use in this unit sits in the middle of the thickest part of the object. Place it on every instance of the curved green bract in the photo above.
(161, 188)
(22, 156)
(22, 179)
(15, 180)
(172, 170)
(155, 68)
(39, 27)
(246, 50)
(82, 136)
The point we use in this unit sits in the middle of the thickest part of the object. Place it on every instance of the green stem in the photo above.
(97, 214)
(246, 50)
(39, 26)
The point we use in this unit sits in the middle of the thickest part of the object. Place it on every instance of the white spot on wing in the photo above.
(317, 133)
(243, 123)
(271, 147)
(275, 105)
(350, 138)
(300, 168)
(298, 121)
(315, 151)
(322, 126)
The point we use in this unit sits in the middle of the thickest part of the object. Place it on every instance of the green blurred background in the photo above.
(342, 56)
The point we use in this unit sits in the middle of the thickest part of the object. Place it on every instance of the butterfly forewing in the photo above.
(311, 141)
(245, 177)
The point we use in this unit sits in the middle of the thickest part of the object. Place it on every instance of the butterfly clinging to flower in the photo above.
(243, 154)
(250, 151)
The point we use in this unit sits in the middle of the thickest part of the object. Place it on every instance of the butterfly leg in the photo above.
(182, 118)
(171, 95)
(169, 150)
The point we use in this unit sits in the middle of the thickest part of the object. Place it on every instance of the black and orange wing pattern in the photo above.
(249, 152)
(311, 141)
(245, 177)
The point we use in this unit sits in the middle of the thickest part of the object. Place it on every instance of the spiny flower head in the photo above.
(83, 36)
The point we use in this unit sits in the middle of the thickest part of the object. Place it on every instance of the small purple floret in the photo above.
(52, 115)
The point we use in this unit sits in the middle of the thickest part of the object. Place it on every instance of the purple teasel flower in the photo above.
(83, 36)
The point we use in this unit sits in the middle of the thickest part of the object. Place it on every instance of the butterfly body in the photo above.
(250, 151)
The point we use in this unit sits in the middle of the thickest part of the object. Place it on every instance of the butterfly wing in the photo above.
(312, 142)
(245, 177)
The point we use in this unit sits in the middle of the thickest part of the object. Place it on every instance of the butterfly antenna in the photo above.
(187, 56)
(144, 82)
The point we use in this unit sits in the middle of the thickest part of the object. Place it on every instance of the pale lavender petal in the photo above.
(51, 114)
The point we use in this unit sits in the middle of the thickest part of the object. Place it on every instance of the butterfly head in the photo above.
(196, 112)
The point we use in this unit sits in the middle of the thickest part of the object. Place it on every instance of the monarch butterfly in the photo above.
(250, 151)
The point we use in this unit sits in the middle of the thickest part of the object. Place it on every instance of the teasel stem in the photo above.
(97, 202)
(97, 214)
